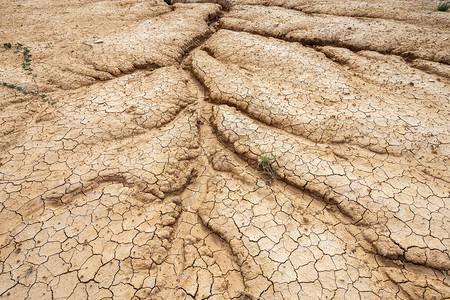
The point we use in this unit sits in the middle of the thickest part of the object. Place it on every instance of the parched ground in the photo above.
(144, 180)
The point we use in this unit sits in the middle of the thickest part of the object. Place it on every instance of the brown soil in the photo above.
(144, 180)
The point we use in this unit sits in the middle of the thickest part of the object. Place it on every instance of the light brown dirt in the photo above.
(144, 179)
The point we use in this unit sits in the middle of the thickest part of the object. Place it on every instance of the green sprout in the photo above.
(443, 6)
(28, 272)
(265, 163)
(26, 66)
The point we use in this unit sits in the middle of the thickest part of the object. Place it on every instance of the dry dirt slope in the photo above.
(143, 180)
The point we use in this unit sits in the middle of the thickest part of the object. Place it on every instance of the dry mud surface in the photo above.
(144, 180)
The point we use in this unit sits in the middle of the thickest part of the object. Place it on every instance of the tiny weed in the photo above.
(446, 278)
(265, 163)
(26, 65)
(28, 272)
(443, 6)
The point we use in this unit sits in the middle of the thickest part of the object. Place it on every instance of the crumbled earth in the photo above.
(145, 179)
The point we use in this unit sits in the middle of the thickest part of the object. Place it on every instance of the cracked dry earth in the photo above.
(144, 180)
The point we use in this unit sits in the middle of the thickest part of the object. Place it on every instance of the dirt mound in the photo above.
(246, 149)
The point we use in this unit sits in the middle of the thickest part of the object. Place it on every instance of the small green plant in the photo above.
(265, 163)
(28, 271)
(443, 6)
(445, 278)
(26, 65)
